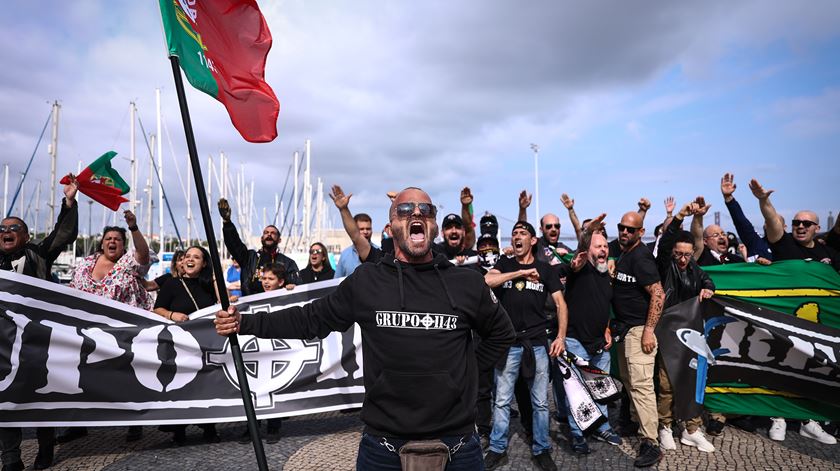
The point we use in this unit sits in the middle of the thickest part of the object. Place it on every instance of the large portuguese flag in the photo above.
(809, 290)
(221, 46)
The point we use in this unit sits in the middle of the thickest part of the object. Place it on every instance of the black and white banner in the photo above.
(724, 340)
(70, 358)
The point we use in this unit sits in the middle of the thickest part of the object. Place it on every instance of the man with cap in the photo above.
(454, 242)
(522, 284)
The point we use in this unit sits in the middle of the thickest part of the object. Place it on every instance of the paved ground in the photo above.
(329, 441)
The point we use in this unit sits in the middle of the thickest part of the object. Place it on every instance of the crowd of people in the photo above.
(503, 315)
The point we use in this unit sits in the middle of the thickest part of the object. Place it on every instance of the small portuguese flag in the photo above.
(221, 46)
(102, 183)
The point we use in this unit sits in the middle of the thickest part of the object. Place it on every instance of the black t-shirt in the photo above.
(588, 295)
(308, 275)
(547, 252)
(173, 297)
(633, 271)
(787, 248)
(524, 300)
(162, 279)
(614, 248)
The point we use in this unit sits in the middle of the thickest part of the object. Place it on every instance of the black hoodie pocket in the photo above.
(414, 404)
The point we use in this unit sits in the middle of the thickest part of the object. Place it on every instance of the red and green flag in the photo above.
(101, 183)
(221, 46)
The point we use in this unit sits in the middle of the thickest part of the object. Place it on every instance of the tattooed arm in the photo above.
(657, 299)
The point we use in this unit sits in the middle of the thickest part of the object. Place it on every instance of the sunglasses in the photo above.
(803, 222)
(629, 229)
(11, 228)
(552, 226)
(427, 210)
(315, 251)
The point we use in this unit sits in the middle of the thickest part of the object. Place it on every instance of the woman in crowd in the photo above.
(319, 267)
(116, 273)
(178, 298)
(174, 272)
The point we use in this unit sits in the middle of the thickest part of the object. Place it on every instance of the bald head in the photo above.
(630, 230)
(715, 238)
(550, 227)
(413, 225)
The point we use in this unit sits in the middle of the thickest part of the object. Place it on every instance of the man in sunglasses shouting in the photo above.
(799, 244)
(416, 313)
(19, 255)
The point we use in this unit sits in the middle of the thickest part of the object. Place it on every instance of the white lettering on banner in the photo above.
(146, 364)
(106, 346)
(416, 320)
(20, 322)
(269, 373)
(330, 365)
(62, 365)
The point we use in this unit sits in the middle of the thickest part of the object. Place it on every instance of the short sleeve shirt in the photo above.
(634, 271)
(787, 248)
(123, 283)
(522, 299)
(588, 295)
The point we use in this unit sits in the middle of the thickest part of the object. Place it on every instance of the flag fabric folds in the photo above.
(222, 47)
(102, 183)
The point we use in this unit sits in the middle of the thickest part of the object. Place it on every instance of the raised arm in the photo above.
(644, 206)
(774, 227)
(569, 203)
(66, 227)
(524, 202)
(467, 217)
(234, 244)
(141, 248)
(341, 202)
(746, 231)
(494, 278)
(670, 232)
(697, 225)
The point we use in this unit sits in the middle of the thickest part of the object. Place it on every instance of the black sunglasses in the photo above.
(427, 210)
(629, 229)
(803, 222)
(11, 228)
(552, 226)
(314, 251)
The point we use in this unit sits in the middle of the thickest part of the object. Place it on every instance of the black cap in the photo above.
(488, 224)
(486, 238)
(451, 219)
(524, 225)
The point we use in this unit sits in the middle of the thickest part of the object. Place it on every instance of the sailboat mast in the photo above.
(307, 197)
(53, 151)
(160, 170)
(132, 110)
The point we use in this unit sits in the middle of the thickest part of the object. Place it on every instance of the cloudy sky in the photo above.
(624, 99)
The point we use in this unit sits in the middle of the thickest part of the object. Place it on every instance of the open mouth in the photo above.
(189, 265)
(517, 244)
(7, 239)
(416, 232)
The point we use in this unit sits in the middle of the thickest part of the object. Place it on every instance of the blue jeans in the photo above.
(600, 360)
(505, 381)
(374, 456)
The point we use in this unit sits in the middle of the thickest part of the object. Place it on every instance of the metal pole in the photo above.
(54, 154)
(241, 376)
(160, 173)
(536, 150)
(132, 205)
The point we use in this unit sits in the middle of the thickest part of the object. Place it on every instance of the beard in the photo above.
(402, 240)
(602, 267)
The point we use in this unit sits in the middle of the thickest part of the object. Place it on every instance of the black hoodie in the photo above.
(421, 367)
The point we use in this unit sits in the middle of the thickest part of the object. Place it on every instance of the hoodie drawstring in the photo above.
(400, 283)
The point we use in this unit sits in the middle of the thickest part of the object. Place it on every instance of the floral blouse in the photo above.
(123, 283)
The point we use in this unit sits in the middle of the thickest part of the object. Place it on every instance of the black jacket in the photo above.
(251, 261)
(308, 275)
(678, 286)
(40, 257)
(420, 364)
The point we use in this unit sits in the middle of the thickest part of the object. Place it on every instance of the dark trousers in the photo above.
(10, 439)
(483, 413)
(373, 455)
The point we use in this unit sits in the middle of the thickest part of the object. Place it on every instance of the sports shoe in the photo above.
(811, 429)
(697, 439)
(608, 436)
(579, 445)
(493, 460)
(649, 455)
(666, 439)
(715, 427)
(545, 462)
(744, 423)
(777, 430)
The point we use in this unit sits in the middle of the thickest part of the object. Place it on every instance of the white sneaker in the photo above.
(811, 429)
(697, 439)
(666, 439)
(777, 430)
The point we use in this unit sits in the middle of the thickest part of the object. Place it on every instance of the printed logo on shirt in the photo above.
(521, 284)
(416, 320)
(625, 277)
